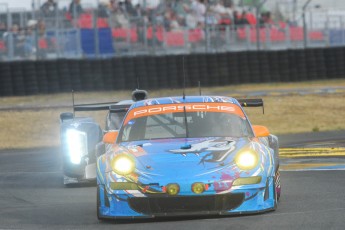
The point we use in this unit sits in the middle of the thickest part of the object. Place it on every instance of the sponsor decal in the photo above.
(179, 108)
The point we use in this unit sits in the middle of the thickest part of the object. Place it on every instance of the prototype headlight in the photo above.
(123, 164)
(247, 159)
(77, 145)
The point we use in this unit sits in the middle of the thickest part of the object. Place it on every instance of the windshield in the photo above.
(114, 120)
(185, 122)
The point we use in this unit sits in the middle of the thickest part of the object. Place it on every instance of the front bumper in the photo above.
(80, 174)
(237, 201)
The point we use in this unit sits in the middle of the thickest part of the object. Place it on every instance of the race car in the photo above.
(81, 137)
(188, 155)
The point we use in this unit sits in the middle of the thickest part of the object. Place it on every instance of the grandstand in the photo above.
(116, 28)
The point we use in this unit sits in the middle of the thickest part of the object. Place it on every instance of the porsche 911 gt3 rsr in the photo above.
(187, 156)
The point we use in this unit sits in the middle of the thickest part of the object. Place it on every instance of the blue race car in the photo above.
(194, 155)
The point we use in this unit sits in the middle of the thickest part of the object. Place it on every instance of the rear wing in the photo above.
(119, 108)
(113, 107)
(93, 107)
(252, 103)
(137, 95)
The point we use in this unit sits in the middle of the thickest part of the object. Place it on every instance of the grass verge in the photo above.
(283, 114)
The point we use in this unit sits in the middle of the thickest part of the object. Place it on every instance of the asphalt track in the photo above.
(32, 195)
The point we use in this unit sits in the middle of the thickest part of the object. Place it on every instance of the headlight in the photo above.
(77, 145)
(247, 159)
(123, 164)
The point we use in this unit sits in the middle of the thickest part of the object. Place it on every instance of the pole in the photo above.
(305, 24)
(294, 10)
(258, 7)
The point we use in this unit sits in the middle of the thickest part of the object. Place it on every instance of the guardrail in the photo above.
(62, 75)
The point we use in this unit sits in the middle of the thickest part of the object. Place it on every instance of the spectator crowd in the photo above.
(172, 15)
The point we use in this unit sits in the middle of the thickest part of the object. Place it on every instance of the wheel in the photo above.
(277, 185)
(98, 204)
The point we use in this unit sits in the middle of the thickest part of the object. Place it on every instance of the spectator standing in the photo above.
(29, 42)
(3, 47)
(228, 3)
(18, 37)
(49, 8)
(118, 17)
(130, 8)
(103, 9)
(178, 7)
(199, 9)
(3, 29)
(75, 9)
(236, 18)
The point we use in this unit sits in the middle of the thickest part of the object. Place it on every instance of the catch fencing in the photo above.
(35, 35)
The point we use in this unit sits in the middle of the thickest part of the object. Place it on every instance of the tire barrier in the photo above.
(292, 66)
(172, 72)
(74, 68)
(331, 62)
(41, 76)
(30, 79)
(244, 67)
(151, 80)
(320, 64)
(284, 68)
(52, 77)
(6, 86)
(340, 62)
(107, 74)
(17, 78)
(97, 77)
(273, 59)
(118, 78)
(131, 79)
(65, 80)
(203, 75)
(233, 68)
(161, 76)
(193, 70)
(86, 77)
(141, 75)
(264, 65)
(20, 78)
(213, 78)
(254, 67)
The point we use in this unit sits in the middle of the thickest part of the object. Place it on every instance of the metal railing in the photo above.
(34, 35)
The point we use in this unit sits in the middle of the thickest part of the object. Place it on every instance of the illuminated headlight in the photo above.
(247, 160)
(77, 145)
(123, 164)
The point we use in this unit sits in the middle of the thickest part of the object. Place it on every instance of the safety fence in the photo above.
(153, 72)
(97, 32)
(104, 41)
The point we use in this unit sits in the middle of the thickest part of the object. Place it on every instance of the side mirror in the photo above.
(110, 137)
(260, 131)
(66, 116)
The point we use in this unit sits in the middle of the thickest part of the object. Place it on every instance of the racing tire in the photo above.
(98, 204)
(277, 186)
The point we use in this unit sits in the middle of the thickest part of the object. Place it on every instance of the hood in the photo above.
(185, 156)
